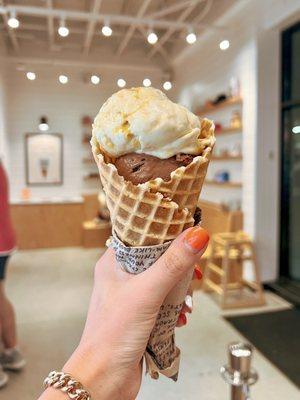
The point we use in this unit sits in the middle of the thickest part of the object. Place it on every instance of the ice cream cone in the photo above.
(153, 213)
(147, 216)
(156, 211)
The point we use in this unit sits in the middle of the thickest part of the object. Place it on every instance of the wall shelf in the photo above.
(224, 184)
(226, 103)
(227, 158)
(91, 177)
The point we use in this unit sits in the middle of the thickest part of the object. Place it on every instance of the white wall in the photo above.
(268, 151)
(206, 72)
(203, 71)
(64, 105)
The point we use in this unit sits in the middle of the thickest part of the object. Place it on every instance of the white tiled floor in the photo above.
(51, 288)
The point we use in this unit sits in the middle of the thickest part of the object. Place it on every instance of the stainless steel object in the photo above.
(238, 373)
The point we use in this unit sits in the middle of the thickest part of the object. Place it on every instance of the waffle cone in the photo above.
(156, 211)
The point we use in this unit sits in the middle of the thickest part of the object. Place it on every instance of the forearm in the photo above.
(53, 394)
(91, 373)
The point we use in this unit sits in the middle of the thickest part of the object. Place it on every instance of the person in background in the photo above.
(10, 356)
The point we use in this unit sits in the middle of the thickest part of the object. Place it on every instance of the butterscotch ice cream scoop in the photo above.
(143, 120)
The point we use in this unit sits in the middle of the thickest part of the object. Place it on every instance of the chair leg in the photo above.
(224, 278)
(260, 291)
(207, 272)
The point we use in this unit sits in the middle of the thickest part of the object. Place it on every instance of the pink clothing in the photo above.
(7, 235)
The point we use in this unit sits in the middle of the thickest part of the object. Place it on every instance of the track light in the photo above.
(121, 82)
(152, 37)
(95, 79)
(224, 44)
(31, 76)
(63, 30)
(63, 79)
(43, 125)
(106, 30)
(146, 82)
(191, 38)
(167, 85)
(13, 21)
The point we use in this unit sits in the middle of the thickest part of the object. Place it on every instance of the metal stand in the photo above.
(238, 373)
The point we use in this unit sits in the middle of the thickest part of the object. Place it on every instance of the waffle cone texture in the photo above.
(157, 211)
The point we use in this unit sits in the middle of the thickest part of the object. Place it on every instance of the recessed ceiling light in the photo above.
(296, 129)
(152, 37)
(63, 30)
(13, 21)
(63, 79)
(106, 30)
(167, 85)
(95, 79)
(121, 82)
(224, 44)
(146, 82)
(31, 76)
(191, 38)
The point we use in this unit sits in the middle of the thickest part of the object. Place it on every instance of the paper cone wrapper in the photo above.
(149, 215)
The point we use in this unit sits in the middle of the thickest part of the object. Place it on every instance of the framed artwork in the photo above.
(44, 159)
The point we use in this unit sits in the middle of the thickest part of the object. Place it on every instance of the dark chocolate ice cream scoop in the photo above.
(141, 168)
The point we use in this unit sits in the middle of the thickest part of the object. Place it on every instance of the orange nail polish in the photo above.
(196, 239)
(198, 273)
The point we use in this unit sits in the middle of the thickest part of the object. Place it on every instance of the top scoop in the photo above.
(144, 120)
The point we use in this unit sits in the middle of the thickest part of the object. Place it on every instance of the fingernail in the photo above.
(189, 301)
(183, 319)
(196, 239)
(198, 273)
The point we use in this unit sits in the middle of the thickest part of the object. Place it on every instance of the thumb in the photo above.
(180, 257)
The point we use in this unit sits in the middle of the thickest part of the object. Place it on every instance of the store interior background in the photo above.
(198, 72)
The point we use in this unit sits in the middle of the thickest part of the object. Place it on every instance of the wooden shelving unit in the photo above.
(206, 110)
(226, 103)
(229, 130)
(227, 158)
(90, 177)
(224, 184)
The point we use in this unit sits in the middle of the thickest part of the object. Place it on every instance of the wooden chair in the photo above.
(216, 219)
(233, 249)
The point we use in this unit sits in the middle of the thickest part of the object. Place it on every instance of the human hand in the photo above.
(122, 313)
(187, 307)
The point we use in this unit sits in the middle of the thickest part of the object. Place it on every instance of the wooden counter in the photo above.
(44, 225)
(95, 234)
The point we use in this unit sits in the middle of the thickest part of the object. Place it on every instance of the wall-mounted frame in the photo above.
(44, 159)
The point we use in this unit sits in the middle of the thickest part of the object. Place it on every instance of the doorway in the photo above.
(289, 281)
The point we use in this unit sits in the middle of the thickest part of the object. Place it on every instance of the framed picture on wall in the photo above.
(44, 158)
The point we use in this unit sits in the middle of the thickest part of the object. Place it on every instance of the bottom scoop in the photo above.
(141, 168)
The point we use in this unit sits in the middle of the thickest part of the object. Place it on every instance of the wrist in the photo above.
(94, 373)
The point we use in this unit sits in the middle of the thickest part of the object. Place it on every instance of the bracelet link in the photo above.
(68, 385)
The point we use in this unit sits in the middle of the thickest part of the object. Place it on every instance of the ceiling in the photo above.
(130, 20)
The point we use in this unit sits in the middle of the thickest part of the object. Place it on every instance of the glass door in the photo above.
(290, 140)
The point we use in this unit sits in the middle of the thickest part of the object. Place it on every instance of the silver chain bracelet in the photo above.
(67, 384)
